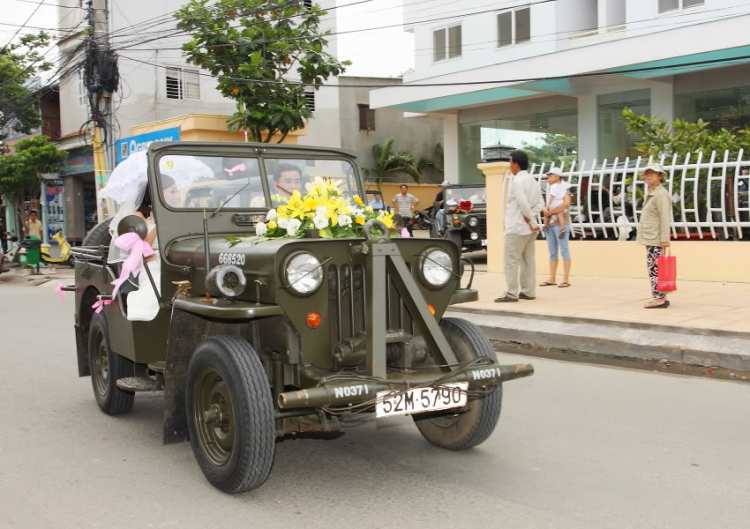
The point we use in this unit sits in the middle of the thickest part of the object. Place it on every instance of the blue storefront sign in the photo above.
(127, 146)
(77, 162)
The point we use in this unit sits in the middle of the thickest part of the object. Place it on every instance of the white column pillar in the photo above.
(495, 174)
(601, 12)
(451, 147)
(588, 128)
(662, 101)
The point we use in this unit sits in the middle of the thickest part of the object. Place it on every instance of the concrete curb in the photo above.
(615, 339)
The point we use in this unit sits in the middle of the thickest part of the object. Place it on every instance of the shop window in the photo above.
(366, 118)
(614, 140)
(446, 43)
(514, 27)
(183, 83)
(674, 5)
(727, 108)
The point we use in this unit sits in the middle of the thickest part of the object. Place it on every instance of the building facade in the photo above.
(569, 67)
(161, 94)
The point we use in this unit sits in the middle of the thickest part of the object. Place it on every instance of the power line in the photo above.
(621, 71)
(24, 24)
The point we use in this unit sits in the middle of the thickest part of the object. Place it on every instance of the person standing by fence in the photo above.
(558, 234)
(405, 204)
(653, 228)
(524, 204)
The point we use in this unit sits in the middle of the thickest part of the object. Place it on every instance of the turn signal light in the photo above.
(313, 320)
(431, 309)
(456, 222)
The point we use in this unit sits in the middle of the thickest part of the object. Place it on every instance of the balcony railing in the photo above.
(709, 195)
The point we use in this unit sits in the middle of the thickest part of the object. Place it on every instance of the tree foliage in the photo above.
(556, 149)
(657, 137)
(388, 162)
(20, 62)
(251, 47)
(21, 172)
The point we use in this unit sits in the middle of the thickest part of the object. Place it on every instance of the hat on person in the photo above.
(445, 183)
(555, 170)
(655, 167)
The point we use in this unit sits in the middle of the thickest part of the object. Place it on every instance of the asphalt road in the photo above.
(577, 447)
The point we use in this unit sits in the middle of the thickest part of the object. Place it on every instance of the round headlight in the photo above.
(226, 281)
(474, 236)
(437, 268)
(473, 222)
(304, 274)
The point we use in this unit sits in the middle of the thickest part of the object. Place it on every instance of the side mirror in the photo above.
(133, 223)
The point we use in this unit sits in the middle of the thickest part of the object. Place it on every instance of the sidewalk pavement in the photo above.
(707, 323)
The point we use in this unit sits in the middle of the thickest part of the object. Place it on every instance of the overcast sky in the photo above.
(380, 53)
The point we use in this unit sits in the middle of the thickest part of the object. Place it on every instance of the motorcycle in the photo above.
(65, 253)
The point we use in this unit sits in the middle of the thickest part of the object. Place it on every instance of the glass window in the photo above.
(668, 5)
(504, 29)
(310, 97)
(454, 42)
(728, 108)
(438, 44)
(82, 92)
(366, 118)
(614, 140)
(183, 83)
(286, 175)
(197, 182)
(692, 3)
(523, 25)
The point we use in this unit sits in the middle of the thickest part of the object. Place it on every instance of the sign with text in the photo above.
(127, 146)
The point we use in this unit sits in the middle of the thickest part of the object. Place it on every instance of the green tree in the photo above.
(251, 47)
(388, 162)
(20, 62)
(658, 137)
(21, 172)
(556, 149)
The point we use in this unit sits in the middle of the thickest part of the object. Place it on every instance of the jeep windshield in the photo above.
(231, 183)
(477, 195)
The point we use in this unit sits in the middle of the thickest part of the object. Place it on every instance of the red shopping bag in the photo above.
(667, 278)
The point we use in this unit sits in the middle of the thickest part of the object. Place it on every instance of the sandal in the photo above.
(547, 284)
(562, 235)
(563, 285)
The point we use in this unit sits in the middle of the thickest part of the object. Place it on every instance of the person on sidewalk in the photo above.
(439, 209)
(653, 228)
(558, 188)
(558, 233)
(34, 227)
(524, 204)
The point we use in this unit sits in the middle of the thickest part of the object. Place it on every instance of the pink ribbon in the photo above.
(61, 292)
(138, 249)
(405, 232)
(240, 167)
(100, 304)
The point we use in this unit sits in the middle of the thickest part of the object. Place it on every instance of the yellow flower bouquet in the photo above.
(323, 208)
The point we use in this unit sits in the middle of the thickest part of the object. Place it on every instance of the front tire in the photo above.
(467, 429)
(230, 414)
(106, 369)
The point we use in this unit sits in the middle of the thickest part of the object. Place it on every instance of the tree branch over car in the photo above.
(251, 47)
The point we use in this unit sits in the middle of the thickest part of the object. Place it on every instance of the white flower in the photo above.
(320, 222)
(261, 229)
(272, 215)
(283, 223)
(357, 212)
(321, 211)
(293, 226)
(345, 220)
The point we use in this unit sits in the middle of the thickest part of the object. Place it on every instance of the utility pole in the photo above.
(100, 87)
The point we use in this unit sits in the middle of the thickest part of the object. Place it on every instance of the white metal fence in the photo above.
(709, 195)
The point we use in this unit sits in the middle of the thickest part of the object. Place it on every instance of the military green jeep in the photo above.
(259, 339)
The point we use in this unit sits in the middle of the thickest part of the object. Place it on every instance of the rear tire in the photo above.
(230, 414)
(467, 429)
(106, 369)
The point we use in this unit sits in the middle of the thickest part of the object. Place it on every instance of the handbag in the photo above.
(666, 281)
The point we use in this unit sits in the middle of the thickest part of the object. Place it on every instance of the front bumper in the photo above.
(344, 393)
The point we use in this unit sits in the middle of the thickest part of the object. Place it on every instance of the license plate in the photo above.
(484, 242)
(420, 400)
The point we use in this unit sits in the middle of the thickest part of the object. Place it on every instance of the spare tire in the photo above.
(99, 234)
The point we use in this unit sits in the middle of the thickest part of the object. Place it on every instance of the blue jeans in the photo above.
(440, 218)
(554, 243)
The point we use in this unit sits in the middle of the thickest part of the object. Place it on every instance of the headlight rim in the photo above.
(285, 275)
(423, 260)
(472, 218)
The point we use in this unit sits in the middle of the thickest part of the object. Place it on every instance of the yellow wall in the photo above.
(696, 260)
